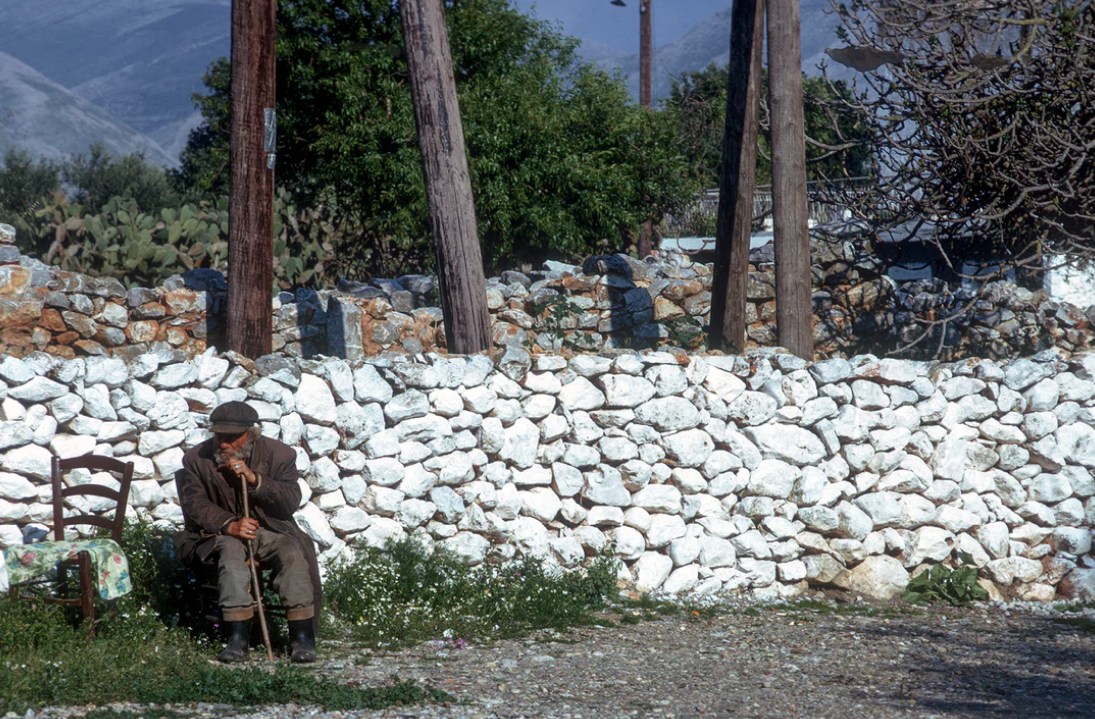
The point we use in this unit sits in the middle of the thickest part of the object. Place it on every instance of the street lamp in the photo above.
(646, 87)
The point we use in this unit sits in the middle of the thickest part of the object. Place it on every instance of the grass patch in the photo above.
(406, 594)
(157, 648)
(135, 658)
(1084, 624)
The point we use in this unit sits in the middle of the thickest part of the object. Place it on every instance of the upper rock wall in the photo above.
(609, 302)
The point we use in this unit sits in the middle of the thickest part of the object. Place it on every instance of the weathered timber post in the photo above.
(448, 185)
(737, 178)
(794, 316)
(251, 190)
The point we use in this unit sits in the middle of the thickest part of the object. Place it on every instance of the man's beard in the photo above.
(222, 456)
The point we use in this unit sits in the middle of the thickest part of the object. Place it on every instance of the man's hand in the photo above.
(239, 468)
(243, 529)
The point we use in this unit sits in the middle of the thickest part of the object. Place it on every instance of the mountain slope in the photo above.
(44, 119)
(709, 42)
(139, 60)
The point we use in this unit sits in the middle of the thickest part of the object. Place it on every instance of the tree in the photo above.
(98, 177)
(24, 183)
(551, 139)
(836, 136)
(982, 118)
(203, 165)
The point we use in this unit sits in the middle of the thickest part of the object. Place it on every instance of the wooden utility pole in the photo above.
(646, 52)
(646, 100)
(794, 314)
(251, 190)
(737, 178)
(448, 185)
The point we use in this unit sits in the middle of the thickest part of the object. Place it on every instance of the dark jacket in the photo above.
(209, 501)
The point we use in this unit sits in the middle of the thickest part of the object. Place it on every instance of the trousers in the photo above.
(291, 578)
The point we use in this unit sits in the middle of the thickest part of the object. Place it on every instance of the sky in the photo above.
(602, 25)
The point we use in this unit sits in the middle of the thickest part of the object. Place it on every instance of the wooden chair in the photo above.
(111, 518)
(120, 498)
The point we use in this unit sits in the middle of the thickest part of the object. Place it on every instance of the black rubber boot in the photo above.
(302, 641)
(238, 640)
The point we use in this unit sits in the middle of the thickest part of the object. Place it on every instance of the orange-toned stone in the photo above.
(67, 338)
(61, 351)
(679, 289)
(14, 279)
(52, 321)
(180, 301)
(176, 336)
(19, 314)
(142, 331)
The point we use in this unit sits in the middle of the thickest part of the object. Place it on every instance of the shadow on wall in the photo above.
(213, 285)
(302, 325)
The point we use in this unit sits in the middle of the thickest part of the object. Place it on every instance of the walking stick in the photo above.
(255, 577)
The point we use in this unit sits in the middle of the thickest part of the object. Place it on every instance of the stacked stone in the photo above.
(610, 302)
(704, 475)
(1001, 320)
(68, 314)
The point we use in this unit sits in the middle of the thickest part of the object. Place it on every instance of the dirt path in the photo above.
(767, 663)
(763, 663)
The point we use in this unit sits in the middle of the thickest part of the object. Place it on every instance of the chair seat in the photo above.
(75, 504)
(28, 562)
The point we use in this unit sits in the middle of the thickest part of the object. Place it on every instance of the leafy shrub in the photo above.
(404, 594)
(939, 583)
(160, 581)
(142, 249)
(98, 177)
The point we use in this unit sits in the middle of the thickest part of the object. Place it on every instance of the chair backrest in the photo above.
(119, 496)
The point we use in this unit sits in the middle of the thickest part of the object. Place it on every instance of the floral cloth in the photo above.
(109, 566)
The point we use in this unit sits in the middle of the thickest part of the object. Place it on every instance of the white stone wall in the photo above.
(704, 474)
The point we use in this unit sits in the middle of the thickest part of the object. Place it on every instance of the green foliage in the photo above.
(557, 315)
(144, 654)
(98, 178)
(561, 162)
(685, 332)
(143, 248)
(404, 595)
(939, 583)
(698, 103)
(204, 167)
(134, 658)
(24, 183)
(160, 581)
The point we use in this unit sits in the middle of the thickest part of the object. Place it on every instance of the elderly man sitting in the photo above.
(211, 486)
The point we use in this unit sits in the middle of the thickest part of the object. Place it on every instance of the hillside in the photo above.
(709, 42)
(138, 60)
(43, 118)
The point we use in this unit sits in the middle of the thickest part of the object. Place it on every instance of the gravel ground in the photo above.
(767, 662)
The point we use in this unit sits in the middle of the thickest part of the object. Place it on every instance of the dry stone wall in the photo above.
(763, 474)
(609, 302)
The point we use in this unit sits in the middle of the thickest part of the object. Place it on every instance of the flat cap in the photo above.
(233, 418)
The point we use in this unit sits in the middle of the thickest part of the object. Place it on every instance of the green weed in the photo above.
(155, 647)
(939, 583)
(403, 595)
(135, 658)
